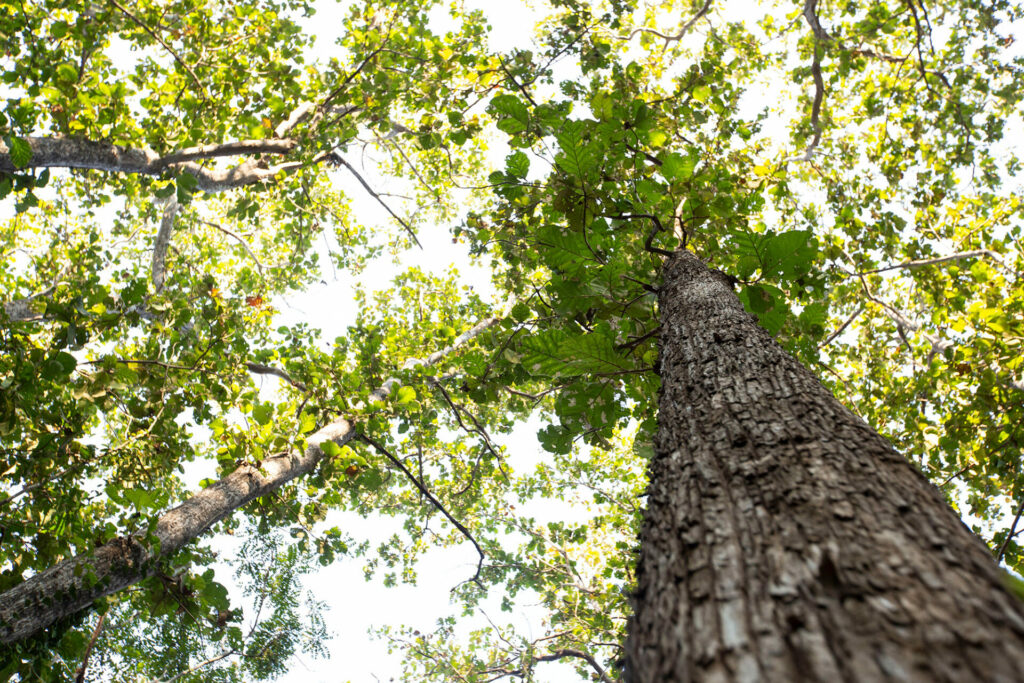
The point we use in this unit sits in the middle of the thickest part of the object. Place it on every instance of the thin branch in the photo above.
(261, 369)
(376, 196)
(434, 501)
(160, 40)
(831, 337)
(820, 37)
(240, 240)
(1010, 534)
(80, 674)
(589, 659)
(682, 31)
(977, 253)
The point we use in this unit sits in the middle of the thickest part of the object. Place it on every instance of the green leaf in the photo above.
(577, 156)
(307, 422)
(790, 254)
(510, 106)
(521, 312)
(517, 164)
(262, 413)
(405, 395)
(676, 167)
(702, 93)
(20, 151)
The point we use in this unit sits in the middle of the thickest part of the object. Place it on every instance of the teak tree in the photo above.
(783, 537)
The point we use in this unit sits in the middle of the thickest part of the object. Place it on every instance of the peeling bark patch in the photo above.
(784, 540)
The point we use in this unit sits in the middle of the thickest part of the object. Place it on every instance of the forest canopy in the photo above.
(171, 171)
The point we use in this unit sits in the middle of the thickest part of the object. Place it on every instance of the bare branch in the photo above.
(434, 501)
(248, 249)
(80, 674)
(677, 36)
(959, 256)
(380, 201)
(1010, 534)
(561, 654)
(160, 40)
(831, 337)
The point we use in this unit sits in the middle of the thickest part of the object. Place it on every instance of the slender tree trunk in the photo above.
(36, 604)
(784, 539)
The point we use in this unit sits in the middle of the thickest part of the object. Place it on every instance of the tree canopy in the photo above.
(171, 170)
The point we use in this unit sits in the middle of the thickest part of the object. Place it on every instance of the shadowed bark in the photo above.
(784, 539)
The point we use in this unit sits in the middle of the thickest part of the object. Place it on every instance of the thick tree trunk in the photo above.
(784, 539)
(66, 588)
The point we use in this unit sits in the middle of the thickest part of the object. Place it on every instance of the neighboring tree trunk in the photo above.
(61, 591)
(784, 539)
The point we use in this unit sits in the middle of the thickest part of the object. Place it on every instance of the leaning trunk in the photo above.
(35, 605)
(784, 539)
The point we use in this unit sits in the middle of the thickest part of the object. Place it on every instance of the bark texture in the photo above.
(100, 155)
(64, 589)
(784, 539)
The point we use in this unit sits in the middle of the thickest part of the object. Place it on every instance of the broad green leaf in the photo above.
(20, 151)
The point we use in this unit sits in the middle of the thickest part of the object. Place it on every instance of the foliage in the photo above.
(867, 213)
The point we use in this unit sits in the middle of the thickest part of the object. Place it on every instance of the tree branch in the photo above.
(1009, 534)
(977, 253)
(160, 40)
(561, 654)
(101, 155)
(682, 31)
(261, 369)
(160, 244)
(31, 607)
(434, 501)
(80, 674)
(380, 201)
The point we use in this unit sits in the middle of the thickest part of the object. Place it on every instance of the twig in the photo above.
(658, 227)
(80, 674)
(831, 337)
(376, 196)
(987, 253)
(1010, 534)
(160, 40)
(240, 240)
(561, 654)
(682, 31)
(820, 36)
(436, 503)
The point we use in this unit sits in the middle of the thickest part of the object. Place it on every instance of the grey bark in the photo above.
(100, 155)
(784, 539)
(66, 588)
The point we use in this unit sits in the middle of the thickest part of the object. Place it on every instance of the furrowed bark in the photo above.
(784, 539)
(62, 152)
(60, 591)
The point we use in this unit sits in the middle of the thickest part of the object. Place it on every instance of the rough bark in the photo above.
(66, 588)
(100, 155)
(784, 539)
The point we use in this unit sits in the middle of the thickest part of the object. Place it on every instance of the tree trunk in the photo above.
(31, 607)
(784, 539)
